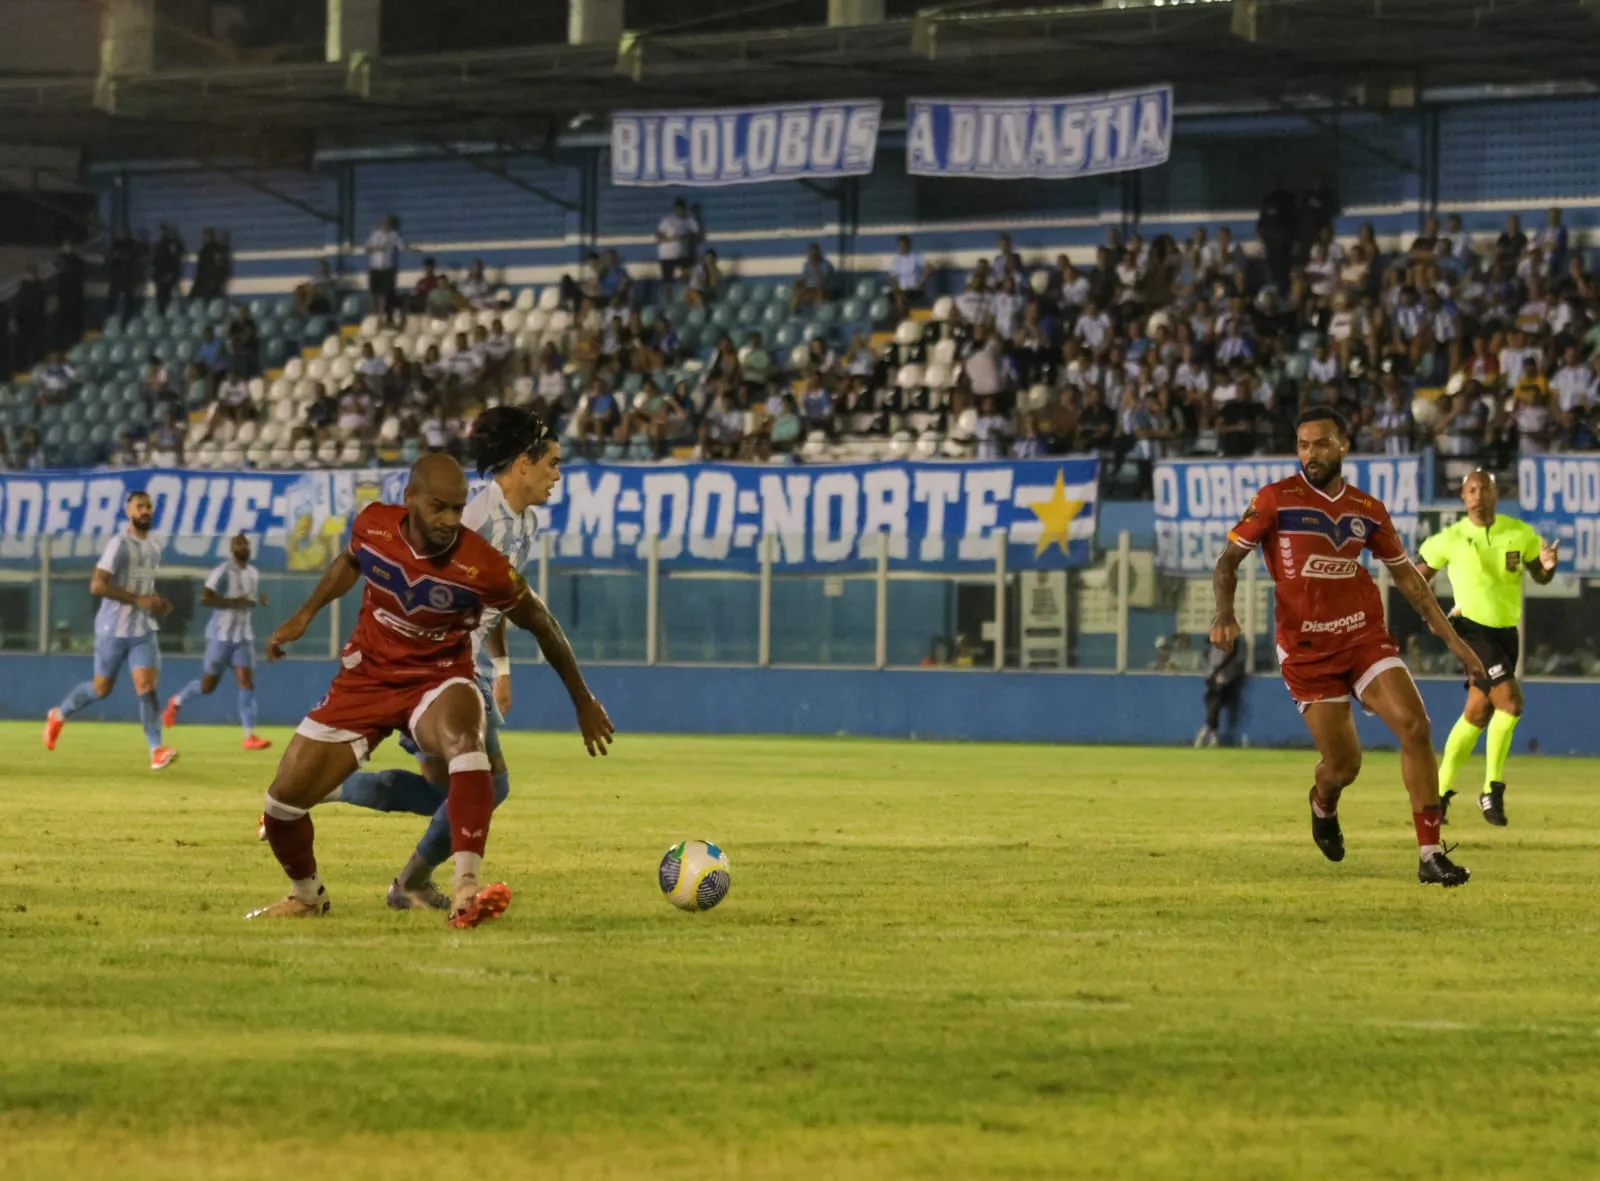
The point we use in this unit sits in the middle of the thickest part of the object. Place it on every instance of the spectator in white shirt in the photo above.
(383, 263)
(992, 432)
(1074, 286)
(1093, 327)
(475, 287)
(371, 369)
(675, 239)
(1006, 308)
(907, 275)
(233, 399)
(1006, 260)
(1324, 367)
(1575, 388)
(464, 365)
(1535, 424)
(1455, 242)
(985, 372)
(1517, 356)
(1393, 422)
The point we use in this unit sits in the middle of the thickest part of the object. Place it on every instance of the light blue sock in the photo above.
(188, 693)
(392, 791)
(434, 847)
(80, 696)
(150, 718)
(247, 710)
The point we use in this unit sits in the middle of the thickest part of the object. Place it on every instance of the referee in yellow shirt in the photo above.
(1486, 554)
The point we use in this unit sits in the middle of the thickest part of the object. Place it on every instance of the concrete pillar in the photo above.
(854, 12)
(594, 22)
(353, 29)
(127, 37)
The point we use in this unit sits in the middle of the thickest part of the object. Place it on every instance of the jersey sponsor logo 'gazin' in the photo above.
(1347, 623)
(1323, 566)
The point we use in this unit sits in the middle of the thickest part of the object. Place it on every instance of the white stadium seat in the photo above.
(294, 369)
(353, 452)
(528, 299)
(328, 452)
(389, 431)
(486, 318)
(272, 430)
(280, 457)
(258, 390)
(909, 332)
(943, 308)
(231, 457)
(944, 353)
(333, 346)
(258, 455)
(447, 347)
(512, 321)
(910, 377)
(560, 320)
(1038, 397)
(279, 390)
(317, 370)
(246, 433)
(302, 452)
(538, 320)
(1039, 281)
(370, 327)
(550, 298)
(937, 376)
(283, 412)
(341, 372)
(464, 322)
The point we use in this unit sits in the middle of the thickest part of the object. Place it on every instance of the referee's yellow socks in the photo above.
(1498, 746)
(1458, 749)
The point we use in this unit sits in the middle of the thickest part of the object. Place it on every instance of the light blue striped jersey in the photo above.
(489, 516)
(132, 563)
(233, 581)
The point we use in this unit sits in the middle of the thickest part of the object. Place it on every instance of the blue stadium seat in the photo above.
(723, 316)
(54, 435)
(77, 434)
(786, 337)
(827, 313)
(112, 328)
(293, 328)
(259, 309)
(868, 289)
(676, 314)
(275, 353)
(698, 318)
(353, 307)
(748, 315)
(631, 383)
(781, 293)
(136, 331)
(775, 314)
(1308, 341)
(878, 312)
(217, 310)
(317, 328)
(689, 338)
(853, 309)
(649, 316)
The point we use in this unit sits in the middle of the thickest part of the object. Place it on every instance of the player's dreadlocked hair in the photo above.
(502, 433)
(1325, 414)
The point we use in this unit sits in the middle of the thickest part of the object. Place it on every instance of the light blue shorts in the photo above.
(112, 652)
(221, 654)
(492, 722)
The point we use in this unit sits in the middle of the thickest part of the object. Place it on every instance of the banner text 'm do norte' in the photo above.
(744, 145)
(935, 516)
(1057, 138)
(1199, 500)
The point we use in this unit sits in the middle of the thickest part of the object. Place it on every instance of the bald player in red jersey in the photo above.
(1332, 642)
(408, 667)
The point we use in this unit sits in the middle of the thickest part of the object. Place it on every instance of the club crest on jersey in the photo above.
(1317, 523)
(426, 594)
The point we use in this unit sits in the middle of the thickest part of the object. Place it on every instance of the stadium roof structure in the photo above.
(1219, 53)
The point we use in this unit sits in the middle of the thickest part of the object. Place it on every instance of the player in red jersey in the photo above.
(408, 666)
(1332, 642)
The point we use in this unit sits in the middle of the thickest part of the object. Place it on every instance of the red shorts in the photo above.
(1338, 675)
(363, 709)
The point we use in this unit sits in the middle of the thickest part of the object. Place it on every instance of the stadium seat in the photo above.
(724, 316)
(826, 313)
(283, 413)
(258, 456)
(332, 346)
(327, 453)
(786, 337)
(697, 318)
(910, 377)
(937, 376)
(389, 431)
(353, 452)
(738, 292)
(527, 300)
(1038, 397)
(852, 310)
(1308, 341)
(410, 450)
(294, 368)
(775, 314)
(316, 328)
(341, 372)
(878, 310)
(231, 459)
(370, 327)
(316, 370)
(868, 289)
(1297, 367)
(798, 356)
(112, 328)
(513, 320)
(944, 308)
(352, 307)
(780, 293)
(908, 333)
(537, 321)
(944, 352)
(550, 299)
(560, 321)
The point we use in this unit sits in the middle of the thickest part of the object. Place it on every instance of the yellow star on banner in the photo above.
(1056, 515)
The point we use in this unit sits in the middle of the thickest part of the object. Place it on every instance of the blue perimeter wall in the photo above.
(1149, 709)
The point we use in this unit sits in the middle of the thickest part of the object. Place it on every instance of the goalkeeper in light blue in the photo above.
(522, 457)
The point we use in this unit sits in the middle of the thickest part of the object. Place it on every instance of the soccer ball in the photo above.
(694, 875)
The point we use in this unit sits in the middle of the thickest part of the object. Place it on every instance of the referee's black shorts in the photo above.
(1497, 647)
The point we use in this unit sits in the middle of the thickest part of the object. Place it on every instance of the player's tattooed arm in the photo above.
(532, 615)
(494, 647)
(100, 586)
(337, 580)
(1225, 585)
(1414, 587)
(1425, 570)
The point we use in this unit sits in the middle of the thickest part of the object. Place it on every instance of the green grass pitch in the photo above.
(937, 961)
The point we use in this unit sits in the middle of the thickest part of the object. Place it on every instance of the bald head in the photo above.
(435, 498)
(438, 473)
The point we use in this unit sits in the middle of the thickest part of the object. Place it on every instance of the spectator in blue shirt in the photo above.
(212, 355)
(816, 275)
(614, 279)
(907, 276)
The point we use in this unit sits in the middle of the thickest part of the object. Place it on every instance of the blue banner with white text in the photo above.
(1559, 495)
(1052, 139)
(744, 145)
(934, 516)
(1199, 500)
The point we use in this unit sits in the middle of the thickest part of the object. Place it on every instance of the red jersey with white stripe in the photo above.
(1312, 543)
(418, 612)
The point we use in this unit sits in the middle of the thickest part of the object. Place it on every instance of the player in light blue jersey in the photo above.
(522, 456)
(125, 629)
(232, 591)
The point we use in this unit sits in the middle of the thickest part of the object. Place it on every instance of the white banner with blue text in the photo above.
(1199, 500)
(935, 516)
(1559, 495)
(699, 148)
(1050, 138)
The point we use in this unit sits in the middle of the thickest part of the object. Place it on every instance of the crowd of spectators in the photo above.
(1484, 346)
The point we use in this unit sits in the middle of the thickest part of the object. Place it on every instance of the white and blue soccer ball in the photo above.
(694, 875)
